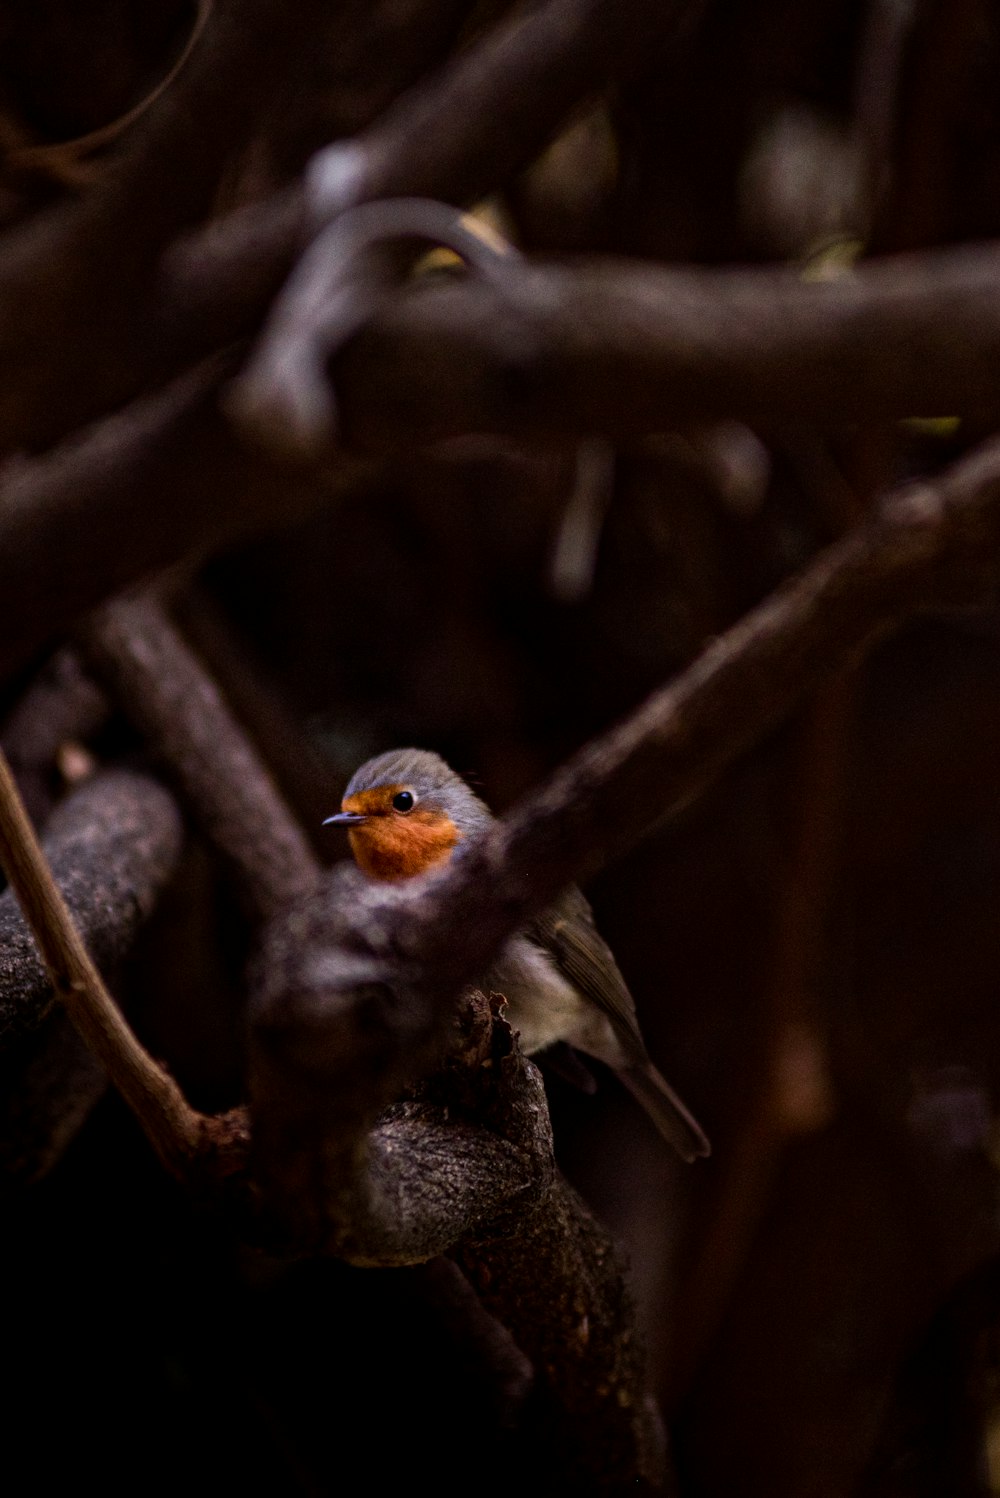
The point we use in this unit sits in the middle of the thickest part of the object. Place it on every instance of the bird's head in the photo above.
(406, 811)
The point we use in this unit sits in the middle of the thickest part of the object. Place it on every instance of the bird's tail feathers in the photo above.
(666, 1110)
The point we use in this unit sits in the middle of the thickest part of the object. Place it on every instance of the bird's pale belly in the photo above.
(544, 1007)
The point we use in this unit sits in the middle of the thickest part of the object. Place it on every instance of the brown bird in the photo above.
(406, 812)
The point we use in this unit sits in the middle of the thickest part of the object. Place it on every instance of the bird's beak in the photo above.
(346, 819)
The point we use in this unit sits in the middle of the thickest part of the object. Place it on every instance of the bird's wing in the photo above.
(567, 931)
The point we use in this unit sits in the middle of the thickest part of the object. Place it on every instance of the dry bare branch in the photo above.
(172, 1127)
(283, 395)
(626, 349)
(157, 482)
(466, 1165)
(554, 1279)
(112, 845)
(368, 1006)
(457, 136)
(188, 1144)
(623, 350)
(177, 706)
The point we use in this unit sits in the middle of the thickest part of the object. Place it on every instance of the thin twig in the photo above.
(172, 1127)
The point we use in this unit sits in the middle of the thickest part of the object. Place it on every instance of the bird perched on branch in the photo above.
(406, 812)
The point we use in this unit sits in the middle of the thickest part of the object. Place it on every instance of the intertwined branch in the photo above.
(391, 1116)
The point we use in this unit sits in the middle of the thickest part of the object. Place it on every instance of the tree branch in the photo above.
(627, 349)
(173, 1127)
(157, 482)
(371, 980)
(179, 709)
(113, 845)
(456, 136)
(89, 265)
(554, 1280)
(466, 1165)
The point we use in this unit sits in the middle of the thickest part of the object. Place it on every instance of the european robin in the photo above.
(405, 813)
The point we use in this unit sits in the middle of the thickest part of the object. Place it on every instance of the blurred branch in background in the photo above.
(768, 494)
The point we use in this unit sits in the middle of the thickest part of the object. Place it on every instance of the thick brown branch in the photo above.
(158, 481)
(930, 546)
(466, 1163)
(456, 136)
(331, 1053)
(177, 706)
(173, 1128)
(555, 1282)
(87, 268)
(615, 347)
(627, 349)
(49, 1083)
(112, 846)
(373, 999)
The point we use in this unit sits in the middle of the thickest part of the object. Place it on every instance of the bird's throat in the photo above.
(391, 848)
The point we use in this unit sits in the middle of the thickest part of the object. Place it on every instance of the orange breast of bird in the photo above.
(391, 846)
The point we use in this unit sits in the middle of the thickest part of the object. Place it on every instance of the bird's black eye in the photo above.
(404, 801)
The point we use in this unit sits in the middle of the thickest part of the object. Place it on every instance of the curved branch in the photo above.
(189, 1144)
(456, 136)
(283, 394)
(151, 1092)
(49, 1084)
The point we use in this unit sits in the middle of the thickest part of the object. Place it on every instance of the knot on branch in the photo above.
(285, 397)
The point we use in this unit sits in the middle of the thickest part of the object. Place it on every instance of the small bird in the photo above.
(405, 812)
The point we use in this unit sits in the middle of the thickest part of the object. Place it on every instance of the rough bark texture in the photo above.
(555, 1280)
(112, 845)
